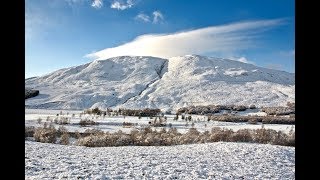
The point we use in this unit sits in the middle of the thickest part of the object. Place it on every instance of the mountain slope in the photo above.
(100, 83)
(141, 82)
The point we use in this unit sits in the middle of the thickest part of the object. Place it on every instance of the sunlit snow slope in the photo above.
(149, 82)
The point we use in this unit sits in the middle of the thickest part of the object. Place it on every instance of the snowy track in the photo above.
(201, 161)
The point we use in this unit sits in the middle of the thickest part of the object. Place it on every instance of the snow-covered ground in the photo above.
(219, 160)
(113, 124)
(168, 84)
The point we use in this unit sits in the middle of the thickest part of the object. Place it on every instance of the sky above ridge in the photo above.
(64, 33)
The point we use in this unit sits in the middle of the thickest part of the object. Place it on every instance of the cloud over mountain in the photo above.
(222, 38)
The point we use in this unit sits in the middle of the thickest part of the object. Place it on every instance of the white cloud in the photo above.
(242, 59)
(97, 4)
(143, 17)
(226, 38)
(157, 17)
(120, 5)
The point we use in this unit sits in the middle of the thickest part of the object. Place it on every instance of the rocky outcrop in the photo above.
(29, 93)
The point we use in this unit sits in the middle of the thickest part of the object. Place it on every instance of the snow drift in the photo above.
(168, 84)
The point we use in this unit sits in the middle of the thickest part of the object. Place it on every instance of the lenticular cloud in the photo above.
(223, 38)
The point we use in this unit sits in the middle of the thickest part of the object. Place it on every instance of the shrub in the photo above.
(96, 111)
(93, 132)
(239, 108)
(62, 121)
(221, 135)
(45, 135)
(210, 109)
(29, 131)
(77, 134)
(173, 131)
(64, 138)
(158, 123)
(103, 140)
(264, 135)
(163, 130)
(87, 122)
(122, 140)
(127, 124)
(62, 130)
(291, 139)
(45, 124)
(291, 104)
(278, 111)
(148, 137)
(92, 141)
(134, 132)
(242, 135)
(252, 121)
(147, 130)
(39, 120)
(193, 131)
(139, 112)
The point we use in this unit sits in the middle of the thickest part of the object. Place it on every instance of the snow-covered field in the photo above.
(219, 160)
(113, 124)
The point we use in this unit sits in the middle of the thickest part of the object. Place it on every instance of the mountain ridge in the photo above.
(151, 82)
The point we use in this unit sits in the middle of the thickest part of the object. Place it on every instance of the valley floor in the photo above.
(115, 123)
(221, 160)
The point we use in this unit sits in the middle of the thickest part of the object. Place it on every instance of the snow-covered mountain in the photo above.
(149, 82)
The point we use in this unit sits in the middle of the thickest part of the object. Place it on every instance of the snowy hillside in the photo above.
(221, 160)
(149, 82)
(101, 83)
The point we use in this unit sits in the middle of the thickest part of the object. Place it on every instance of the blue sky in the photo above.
(64, 33)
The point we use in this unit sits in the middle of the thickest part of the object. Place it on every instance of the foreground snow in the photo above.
(199, 161)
